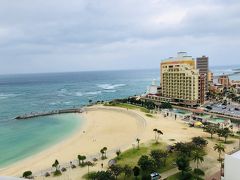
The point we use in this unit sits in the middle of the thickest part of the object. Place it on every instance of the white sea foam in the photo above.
(5, 95)
(67, 102)
(78, 94)
(110, 86)
(93, 93)
(110, 91)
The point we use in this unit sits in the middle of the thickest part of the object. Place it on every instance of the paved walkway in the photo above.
(170, 172)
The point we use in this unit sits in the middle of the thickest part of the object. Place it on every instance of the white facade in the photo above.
(153, 89)
(232, 166)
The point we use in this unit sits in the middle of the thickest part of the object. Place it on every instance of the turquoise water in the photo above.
(20, 94)
(26, 137)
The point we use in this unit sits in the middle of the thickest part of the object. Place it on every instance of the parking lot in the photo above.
(232, 110)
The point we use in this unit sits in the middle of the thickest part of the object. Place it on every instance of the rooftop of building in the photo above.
(180, 57)
(236, 155)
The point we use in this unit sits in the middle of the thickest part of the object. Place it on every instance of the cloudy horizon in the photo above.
(79, 35)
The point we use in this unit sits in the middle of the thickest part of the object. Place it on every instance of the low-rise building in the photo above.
(210, 78)
(224, 80)
(231, 166)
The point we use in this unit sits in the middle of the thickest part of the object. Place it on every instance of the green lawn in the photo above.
(131, 156)
(216, 140)
(128, 106)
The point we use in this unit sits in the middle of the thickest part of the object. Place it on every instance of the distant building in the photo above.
(180, 79)
(231, 166)
(201, 89)
(224, 80)
(210, 78)
(202, 66)
(216, 88)
(153, 89)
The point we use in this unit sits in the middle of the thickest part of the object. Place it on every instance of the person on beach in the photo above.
(102, 165)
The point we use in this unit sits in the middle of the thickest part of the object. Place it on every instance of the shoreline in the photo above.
(42, 161)
(49, 147)
(115, 128)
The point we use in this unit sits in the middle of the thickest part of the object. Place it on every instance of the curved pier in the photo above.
(38, 114)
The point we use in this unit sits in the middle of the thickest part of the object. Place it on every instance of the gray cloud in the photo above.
(74, 35)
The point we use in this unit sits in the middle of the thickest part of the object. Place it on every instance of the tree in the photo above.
(219, 133)
(81, 160)
(184, 148)
(159, 132)
(166, 105)
(103, 175)
(89, 163)
(138, 141)
(118, 152)
(136, 171)
(197, 157)
(211, 130)
(225, 133)
(199, 142)
(27, 174)
(164, 156)
(155, 132)
(116, 170)
(102, 152)
(57, 171)
(156, 155)
(183, 164)
(127, 171)
(146, 164)
(198, 174)
(219, 148)
(105, 152)
(56, 164)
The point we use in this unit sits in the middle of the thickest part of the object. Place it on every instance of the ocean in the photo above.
(26, 93)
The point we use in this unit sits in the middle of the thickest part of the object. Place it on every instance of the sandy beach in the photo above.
(111, 128)
(115, 128)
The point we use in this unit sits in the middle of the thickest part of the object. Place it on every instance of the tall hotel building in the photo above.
(180, 80)
(202, 66)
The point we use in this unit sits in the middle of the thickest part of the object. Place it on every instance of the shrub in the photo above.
(47, 174)
(27, 174)
(57, 173)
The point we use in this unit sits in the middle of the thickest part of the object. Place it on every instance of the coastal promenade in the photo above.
(39, 114)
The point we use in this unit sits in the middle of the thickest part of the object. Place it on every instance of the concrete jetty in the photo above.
(39, 114)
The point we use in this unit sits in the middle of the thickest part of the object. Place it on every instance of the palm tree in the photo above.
(89, 163)
(198, 157)
(105, 151)
(155, 132)
(138, 141)
(56, 164)
(219, 148)
(102, 152)
(159, 132)
(81, 159)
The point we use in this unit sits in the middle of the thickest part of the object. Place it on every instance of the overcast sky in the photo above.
(78, 35)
